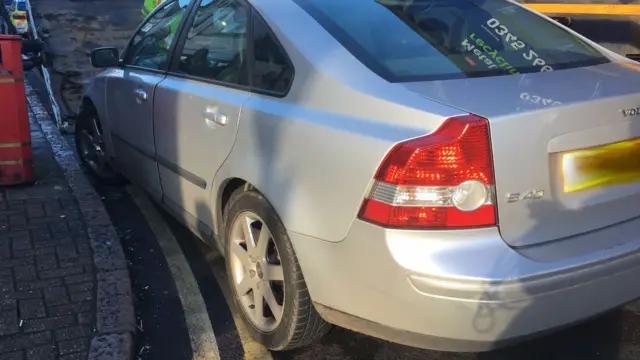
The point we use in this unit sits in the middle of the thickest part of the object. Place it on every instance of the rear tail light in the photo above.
(19, 16)
(439, 181)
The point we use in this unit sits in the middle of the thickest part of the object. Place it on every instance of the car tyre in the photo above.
(90, 148)
(299, 323)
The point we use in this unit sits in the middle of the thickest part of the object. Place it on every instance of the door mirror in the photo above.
(105, 57)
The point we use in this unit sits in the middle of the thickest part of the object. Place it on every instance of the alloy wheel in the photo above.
(91, 148)
(256, 271)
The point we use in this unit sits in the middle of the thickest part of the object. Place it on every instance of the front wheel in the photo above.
(90, 148)
(265, 277)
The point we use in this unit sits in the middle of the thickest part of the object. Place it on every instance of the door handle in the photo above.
(141, 95)
(211, 116)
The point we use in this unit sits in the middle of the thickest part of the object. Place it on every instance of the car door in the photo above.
(131, 95)
(198, 105)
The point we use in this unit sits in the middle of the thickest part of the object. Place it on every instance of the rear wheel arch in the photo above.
(300, 325)
(226, 190)
(225, 194)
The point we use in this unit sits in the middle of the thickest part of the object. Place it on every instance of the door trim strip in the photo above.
(186, 174)
(169, 165)
(137, 149)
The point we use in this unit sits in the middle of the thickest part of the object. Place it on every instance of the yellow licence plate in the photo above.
(603, 166)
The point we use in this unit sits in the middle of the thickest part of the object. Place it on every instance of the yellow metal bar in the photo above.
(14, 144)
(11, 80)
(586, 9)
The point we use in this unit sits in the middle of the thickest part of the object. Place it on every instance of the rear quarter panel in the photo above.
(314, 152)
(313, 166)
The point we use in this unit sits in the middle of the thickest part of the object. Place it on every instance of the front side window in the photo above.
(272, 70)
(215, 47)
(150, 46)
(418, 40)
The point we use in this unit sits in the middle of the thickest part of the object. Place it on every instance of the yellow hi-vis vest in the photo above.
(149, 5)
(173, 28)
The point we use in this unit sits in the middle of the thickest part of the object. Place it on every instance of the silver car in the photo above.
(447, 174)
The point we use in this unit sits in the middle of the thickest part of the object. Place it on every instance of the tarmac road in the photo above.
(145, 230)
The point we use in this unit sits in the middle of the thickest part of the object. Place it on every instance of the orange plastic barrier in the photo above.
(16, 164)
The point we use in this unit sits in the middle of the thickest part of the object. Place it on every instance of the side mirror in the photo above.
(105, 57)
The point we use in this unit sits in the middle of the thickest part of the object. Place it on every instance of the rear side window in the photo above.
(418, 40)
(272, 70)
(215, 46)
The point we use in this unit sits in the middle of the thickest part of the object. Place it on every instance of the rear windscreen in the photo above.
(22, 6)
(418, 40)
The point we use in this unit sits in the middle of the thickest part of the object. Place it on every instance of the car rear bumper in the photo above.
(464, 291)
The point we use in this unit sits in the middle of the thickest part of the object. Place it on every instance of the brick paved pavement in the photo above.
(64, 288)
(47, 277)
